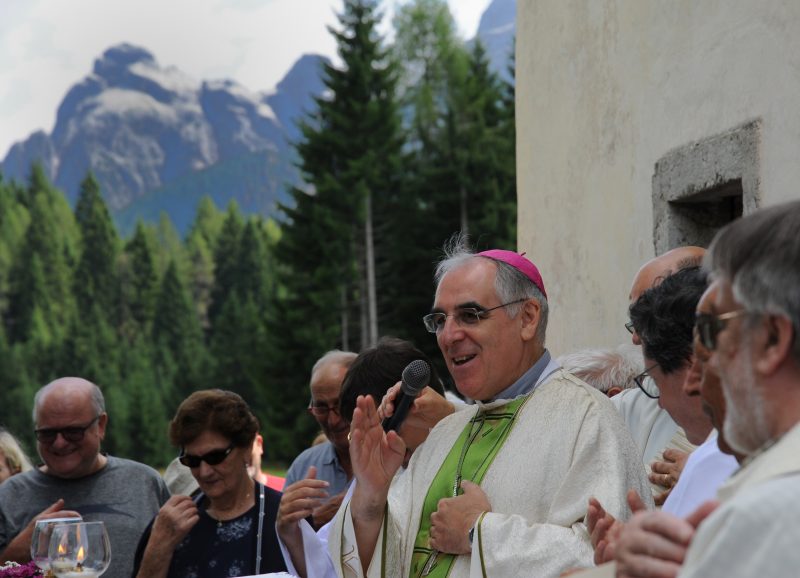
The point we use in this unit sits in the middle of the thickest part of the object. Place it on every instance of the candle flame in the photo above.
(81, 556)
(62, 549)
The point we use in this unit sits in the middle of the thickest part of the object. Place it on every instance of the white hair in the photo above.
(335, 357)
(604, 368)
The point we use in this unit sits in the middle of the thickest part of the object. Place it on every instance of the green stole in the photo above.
(469, 459)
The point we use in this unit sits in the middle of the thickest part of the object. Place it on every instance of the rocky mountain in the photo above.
(496, 31)
(157, 139)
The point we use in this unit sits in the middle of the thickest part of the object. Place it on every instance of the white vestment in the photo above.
(755, 532)
(649, 424)
(567, 444)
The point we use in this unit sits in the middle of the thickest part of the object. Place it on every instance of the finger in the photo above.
(647, 566)
(666, 528)
(635, 501)
(54, 507)
(702, 512)
(311, 474)
(662, 497)
(661, 467)
(673, 455)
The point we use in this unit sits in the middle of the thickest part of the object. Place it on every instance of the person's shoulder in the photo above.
(131, 467)
(564, 384)
(314, 453)
(19, 483)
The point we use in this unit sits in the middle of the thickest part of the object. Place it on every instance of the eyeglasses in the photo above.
(629, 327)
(464, 317)
(71, 434)
(709, 325)
(212, 458)
(321, 410)
(647, 384)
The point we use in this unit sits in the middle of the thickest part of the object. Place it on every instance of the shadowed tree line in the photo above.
(410, 143)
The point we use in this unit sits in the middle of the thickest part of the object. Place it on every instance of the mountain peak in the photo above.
(121, 57)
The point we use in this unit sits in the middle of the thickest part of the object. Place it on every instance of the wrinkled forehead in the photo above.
(470, 284)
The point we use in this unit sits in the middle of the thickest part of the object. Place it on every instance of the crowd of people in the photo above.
(675, 455)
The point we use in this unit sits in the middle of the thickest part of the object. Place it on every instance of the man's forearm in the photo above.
(19, 549)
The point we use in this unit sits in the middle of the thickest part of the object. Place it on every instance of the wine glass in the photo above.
(40, 540)
(79, 550)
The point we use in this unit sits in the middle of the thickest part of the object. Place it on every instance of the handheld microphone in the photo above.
(415, 377)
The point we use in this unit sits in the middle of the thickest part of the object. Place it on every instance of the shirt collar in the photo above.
(529, 380)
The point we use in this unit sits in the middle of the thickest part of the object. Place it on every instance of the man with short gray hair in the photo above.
(607, 369)
(331, 459)
(70, 423)
(499, 488)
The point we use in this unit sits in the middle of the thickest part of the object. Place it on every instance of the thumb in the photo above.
(635, 502)
(57, 506)
(702, 512)
(470, 487)
(312, 473)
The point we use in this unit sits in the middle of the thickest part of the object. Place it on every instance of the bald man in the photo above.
(70, 423)
(652, 427)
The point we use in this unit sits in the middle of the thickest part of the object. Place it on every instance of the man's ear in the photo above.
(102, 422)
(775, 344)
(612, 391)
(531, 316)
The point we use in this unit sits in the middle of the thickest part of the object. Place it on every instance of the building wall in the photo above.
(607, 88)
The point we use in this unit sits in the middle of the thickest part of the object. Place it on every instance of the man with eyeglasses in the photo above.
(331, 458)
(70, 424)
(499, 489)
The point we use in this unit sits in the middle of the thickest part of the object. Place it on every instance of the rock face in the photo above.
(497, 30)
(144, 129)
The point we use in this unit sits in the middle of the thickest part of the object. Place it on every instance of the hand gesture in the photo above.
(375, 456)
(667, 472)
(427, 410)
(297, 503)
(605, 529)
(452, 521)
(173, 522)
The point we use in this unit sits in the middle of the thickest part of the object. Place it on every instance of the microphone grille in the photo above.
(415, 377)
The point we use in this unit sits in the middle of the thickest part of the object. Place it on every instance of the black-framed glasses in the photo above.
(212, 458)
(629, 327)
(647, 384)
(709, 325)
(72, 434)
(464, 317)
(321, 410)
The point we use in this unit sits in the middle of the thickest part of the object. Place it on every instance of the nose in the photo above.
(203, 469)
(691, 385)
(60, 442)
(450, 332)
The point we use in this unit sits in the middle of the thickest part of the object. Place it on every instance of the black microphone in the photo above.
(415, 377)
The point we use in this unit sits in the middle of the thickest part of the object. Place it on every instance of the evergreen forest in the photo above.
(411, 143)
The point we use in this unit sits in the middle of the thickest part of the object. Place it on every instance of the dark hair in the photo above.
(759, 255)
(377, 369)
(663, 316)
(216, 410)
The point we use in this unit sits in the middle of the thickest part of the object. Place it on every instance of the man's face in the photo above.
(70, 409)
(687, 411)
(326, 386)
(746, 426)
(487, 357)
(710, 386)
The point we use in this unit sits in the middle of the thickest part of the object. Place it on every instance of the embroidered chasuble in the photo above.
(471, 456)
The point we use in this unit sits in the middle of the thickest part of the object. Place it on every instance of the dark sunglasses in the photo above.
(212, 458)
(709, 325)
(72, 434)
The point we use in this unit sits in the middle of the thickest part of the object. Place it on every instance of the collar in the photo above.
(329, 456)
(530, 379)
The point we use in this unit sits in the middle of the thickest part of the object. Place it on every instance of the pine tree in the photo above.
(139, 293)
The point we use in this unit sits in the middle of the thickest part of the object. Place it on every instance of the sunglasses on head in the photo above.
(212, 458)
(709, 326)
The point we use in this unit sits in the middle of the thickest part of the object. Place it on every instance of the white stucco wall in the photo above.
(606, 88)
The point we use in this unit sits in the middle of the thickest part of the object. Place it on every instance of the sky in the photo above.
(46, 46)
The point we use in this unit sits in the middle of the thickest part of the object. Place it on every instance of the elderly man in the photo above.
(70, 419)
(330, 459)
(496, 489)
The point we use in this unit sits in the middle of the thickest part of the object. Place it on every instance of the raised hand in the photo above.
(376, 456)
(298, 502)
(174, 521)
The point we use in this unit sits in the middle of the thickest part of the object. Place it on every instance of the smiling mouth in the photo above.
(461, 360)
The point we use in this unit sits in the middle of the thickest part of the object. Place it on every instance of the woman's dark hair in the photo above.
(222, 412)
(377, 369)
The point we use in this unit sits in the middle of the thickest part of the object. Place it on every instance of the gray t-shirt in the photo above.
(124, 494)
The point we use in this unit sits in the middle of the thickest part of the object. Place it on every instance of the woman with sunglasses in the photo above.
(228, 529)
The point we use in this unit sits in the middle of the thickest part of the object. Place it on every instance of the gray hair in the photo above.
(15, 458)
(510, 284)
(759, 255)
(95, 395)
(336, 357)
(604, 368)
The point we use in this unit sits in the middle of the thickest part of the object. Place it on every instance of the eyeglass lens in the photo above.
(212, 458)
(72, 434)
